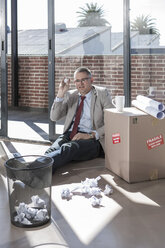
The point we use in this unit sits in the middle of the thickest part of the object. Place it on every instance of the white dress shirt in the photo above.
(85, 124)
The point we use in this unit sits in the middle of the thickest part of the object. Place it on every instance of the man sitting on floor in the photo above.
(83, 137)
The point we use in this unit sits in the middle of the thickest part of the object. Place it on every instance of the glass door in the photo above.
(3, 68)
(148, 49)
(91, 35)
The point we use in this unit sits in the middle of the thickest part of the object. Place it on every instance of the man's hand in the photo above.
(63, 88)
(79, 136)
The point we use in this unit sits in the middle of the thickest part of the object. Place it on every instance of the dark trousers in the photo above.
(64, 150)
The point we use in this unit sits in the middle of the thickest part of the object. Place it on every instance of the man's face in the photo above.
(83, 82)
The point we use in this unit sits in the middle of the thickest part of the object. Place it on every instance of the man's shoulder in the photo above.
(99, 88)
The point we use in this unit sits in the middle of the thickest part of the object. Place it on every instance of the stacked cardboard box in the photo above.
(134, 145)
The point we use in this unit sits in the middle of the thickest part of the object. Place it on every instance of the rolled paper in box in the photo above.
(149, 110)
(150, 102)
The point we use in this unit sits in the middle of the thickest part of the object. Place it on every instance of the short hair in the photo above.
(83, 69)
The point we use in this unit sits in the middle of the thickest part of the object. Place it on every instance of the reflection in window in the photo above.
(93, 37)
(148, 48)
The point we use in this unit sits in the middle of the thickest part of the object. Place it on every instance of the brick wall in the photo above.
(33, 82)
(147, 70)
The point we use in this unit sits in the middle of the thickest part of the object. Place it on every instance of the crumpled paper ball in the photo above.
(95, 201)
(25, 214)
(38, 202)
(66, 193)
(91, 182)
(90, 188)
(108, 190)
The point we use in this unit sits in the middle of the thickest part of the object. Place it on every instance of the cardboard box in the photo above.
(134, 145)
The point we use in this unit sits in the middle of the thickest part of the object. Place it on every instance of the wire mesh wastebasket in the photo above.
(29, 188)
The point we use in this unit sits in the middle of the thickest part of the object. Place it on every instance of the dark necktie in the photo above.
(77, 118)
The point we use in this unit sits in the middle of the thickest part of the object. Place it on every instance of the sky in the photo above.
(32, 14)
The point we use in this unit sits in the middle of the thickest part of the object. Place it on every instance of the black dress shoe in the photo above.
(51, 149)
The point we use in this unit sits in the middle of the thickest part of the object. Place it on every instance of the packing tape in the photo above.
(154, 121)
(154, 174)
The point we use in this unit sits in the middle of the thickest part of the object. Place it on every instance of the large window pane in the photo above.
(32, 22)
(0, 65)
(92, 40)
(148, 48)
(3, 88)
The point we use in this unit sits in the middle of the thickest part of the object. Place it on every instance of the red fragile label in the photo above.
(155, 141)
(116, 138)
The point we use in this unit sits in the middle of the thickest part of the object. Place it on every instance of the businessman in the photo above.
(83, 107)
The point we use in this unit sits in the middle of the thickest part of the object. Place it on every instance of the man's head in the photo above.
(83, 80)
